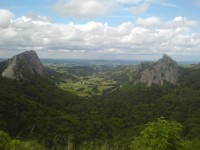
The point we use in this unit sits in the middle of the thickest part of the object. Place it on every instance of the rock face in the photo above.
(165, 69)
(22, 66)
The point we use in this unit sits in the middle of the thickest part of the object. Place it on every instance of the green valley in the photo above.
(87, 81)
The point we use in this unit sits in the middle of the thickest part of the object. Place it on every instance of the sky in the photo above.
(101, 29)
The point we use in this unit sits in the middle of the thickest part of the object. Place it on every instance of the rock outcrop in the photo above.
(165, 69)
(22, 66)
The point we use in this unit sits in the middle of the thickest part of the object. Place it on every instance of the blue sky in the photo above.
(101, 29)
(165, 9)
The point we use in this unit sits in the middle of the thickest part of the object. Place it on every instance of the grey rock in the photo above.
(23, 66)
(165, 69)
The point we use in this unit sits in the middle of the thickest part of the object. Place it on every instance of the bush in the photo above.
(7, 144)
(30, 145)
(4, 140)
(14, 145)
(161, 135)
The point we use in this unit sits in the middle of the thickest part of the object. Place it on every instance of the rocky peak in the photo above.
(166, 59)
(24, 65)
(165, 69)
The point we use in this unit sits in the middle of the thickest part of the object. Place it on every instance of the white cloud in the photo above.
(95, 8)
(5, 18)
(84, 9)
(93, 39)
(148, 22)
(155, 22)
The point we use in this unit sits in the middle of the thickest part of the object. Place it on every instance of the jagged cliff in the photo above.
(165, 69)
(22, 66)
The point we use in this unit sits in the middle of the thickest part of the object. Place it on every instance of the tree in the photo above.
(4, 140)
(161, 135)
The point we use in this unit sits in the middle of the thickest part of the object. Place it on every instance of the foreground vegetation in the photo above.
(158, 135)
(6, 143)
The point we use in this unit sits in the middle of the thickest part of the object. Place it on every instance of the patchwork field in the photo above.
(84, 81)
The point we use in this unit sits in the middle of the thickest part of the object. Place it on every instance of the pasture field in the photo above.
(84, 81)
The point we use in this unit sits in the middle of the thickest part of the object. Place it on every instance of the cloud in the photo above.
(6, 17)
(177, 22)
(129, 1)
(151, 21)
(95, 8)
(99, 40)
(140, 9)
(165, 4)
(84, 9)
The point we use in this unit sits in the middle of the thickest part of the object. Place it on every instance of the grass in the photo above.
(94, 82)
(93, 85)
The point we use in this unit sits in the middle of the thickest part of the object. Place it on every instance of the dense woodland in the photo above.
(37, 111)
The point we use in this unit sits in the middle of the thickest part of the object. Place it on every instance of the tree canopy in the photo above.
(161, 135)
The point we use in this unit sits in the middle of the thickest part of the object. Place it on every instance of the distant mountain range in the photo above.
(98, 62)
(102, 62)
